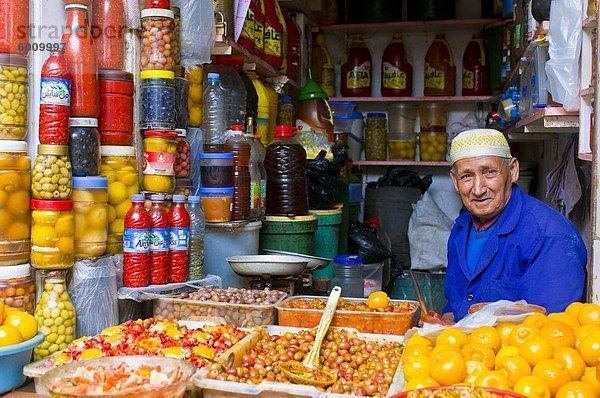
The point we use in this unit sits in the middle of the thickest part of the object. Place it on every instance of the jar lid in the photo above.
(357, 115)
(14, 271)
(76, 5)
(348, 259)
(138, 197)
(89, 182)
(376, 115)
(214, 76)
(160, 133)
(157, 197)
(176, 10)
(286, 99)
(58, 150)
(112, 74)
(13, 146)
(284, 131)
(114, 150)
(83, 122)
(157, 74)
(216, 191)
(52, 205)
(193, 199)
(178, 199)
(216, 155)
(157, 12)
(13, 60)
(181, 132)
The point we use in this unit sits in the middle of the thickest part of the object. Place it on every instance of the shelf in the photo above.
(414, 26)
(225, 46)
(541, 30)
(400, 163)
(587, 92)
(454, 99)
(586, 156)
(590, 22)
(299, 6)
(549, 120)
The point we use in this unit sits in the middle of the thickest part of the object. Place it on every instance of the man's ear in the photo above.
(514, 170)
(454, 179)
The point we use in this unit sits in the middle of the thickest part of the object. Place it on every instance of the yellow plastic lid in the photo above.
(157, 74)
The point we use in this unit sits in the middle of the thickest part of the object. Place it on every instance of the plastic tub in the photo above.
(403, 146)
(402, 118)
(342, 123)
(396, 323)
(433, 118)
(217, 204)
(216, 169)
(229, 239)
(348, 275)
(290, 234)
(342, 108)
(326, 239)
(373, 278)
(13, 359)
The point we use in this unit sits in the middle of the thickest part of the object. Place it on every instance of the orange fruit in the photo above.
(417, 367)
(537, 320)
(590, 378)
(514, 368)
(9, 335)
(506, 351)
(520, 333)
(564, 318)
(535, 349)
(479, 353)
(571, 360)
(574, 308)
(532, 387)
(24, 322)
(558, 334)
(378, 300)
(415, 351)
(452, 337)
(1, 312)
(420, 382)
(553, 373)
(488, 336)
(576, 389)
(589, 314)
(504, 330)
(583, 331)
(474, 369)
(448, 367)
(492, 379)
(417, 339)
(589, 348)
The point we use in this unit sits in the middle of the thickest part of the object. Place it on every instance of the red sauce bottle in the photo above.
(246, 38)
(136, 248)
(273, 39)
(108, 26)
(293, 46)
(476, 70)
(81, 58)
(179, 222)
(159, 241)
(55, 100)
(440, 70)
(239, 146)
(356, 72)
(396, 70)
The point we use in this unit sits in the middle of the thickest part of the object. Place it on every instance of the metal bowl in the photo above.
(259, 265)
(314, 263)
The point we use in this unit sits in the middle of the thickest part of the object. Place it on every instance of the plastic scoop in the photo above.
(426, 316)
(308, 372)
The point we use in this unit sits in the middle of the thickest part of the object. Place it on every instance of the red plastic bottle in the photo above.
(273, 38)
(246, 38)
(55, 100)
(476, 70)
(159, 241)
(293, 46)
(396, 70)
(356, 72)
(136, 248)
(179, 221)
(259, 28)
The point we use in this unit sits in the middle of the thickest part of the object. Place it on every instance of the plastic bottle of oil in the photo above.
(322, 65)
(262, 117)
(440, 70)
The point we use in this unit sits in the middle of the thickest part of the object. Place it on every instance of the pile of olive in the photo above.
(51, 176)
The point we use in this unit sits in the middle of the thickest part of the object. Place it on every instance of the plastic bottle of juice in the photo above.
(197, 224)
(214, 114)
(476, 70)
(237, 144)
(440, 70)
(55, 100)
(322, 67)
(273, 41)
(159, 241)
(246, 38)
(396, 70)
(179, 230)
(356, 71)
(136, 248)
(264, 108)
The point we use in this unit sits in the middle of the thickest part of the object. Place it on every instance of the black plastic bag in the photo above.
(322, 175)
(399, 177)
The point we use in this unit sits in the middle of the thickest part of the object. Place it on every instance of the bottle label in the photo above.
(434, 78)
(393, 77)
(255, 195)
(159, 240)
(55, 91)
(359, 76)
(179, 238)
(468, 79)
(158, 163)
(136, 241)
(272, 42)
(263, 194)
(259, 30)
(328, 82)
(248, 27)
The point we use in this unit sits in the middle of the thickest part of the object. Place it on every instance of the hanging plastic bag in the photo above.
(197, 31)
(323, 176)
(562, 69)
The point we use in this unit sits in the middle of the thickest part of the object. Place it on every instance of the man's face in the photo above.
(485, 183)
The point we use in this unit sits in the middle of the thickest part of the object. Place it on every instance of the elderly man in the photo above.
(506, 245)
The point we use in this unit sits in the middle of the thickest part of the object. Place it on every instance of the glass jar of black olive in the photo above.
(84, 146)
(157, 110)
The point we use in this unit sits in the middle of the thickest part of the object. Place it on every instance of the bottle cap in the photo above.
(138, 197)
(347, 259)
(13, 146)
(14, 271)
(114, 150)
(214, 76)
(178, 198)
(89, 183)
(193, 199)
(283, 131)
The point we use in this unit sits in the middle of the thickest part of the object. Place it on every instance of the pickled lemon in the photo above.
(10, 182)
(195, 75)
(117, 162)
(123, 208)
(79, 195)
(5, 219)
(112, 214)
(64, 225)
(195, 93)
(17, 202)
(3, 198)
(117, 193)
(65, 245)
(98, 216)
(18, 231)
(80, 225)
(42, 235)
(133, 189)
(128, 176)
(116, 227)
(45, 217)
(195, 116)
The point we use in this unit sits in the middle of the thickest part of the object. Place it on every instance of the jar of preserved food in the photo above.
(286, 112)
(52, 231)
(216, 169)
(55, 315)
(217, 203)
(115, 122)
(194, 76)
(15, 183)
(108, 29)
(157, 27)
(90, 198)
(183, 186)
(403, 146)
(239, 146)
(433, 146)
(175, 50)
(182, 161)
(17, 289)
(51, 175)
(182, 88)
(157, 110)
(433, 118)
(119, 165)
(13, 96)
(14, 26)
(160, 149)
(84, 146)
(376, 137)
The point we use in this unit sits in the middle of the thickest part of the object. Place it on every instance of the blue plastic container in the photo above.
(12, 361)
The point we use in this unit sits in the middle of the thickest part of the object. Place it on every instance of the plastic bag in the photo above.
(197, 30)
(428, 226)
(322, 177)
(399, 177)
(196, 139)
(149, 293)
(93, 291)
(562, 69)
(364, 241)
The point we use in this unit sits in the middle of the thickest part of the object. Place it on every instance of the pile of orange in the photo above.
(545, 356)
(16, 326)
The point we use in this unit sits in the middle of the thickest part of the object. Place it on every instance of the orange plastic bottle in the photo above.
(356, 72)
(273, 39)
(440, 70)
(396, 70)
(476, 71)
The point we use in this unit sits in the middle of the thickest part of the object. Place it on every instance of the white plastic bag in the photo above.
(197, 31)
(428, 231)
(562, 69)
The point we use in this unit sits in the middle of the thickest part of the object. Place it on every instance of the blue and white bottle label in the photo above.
(179, 238)
(159, 240)
(136, 241)
(55, 91)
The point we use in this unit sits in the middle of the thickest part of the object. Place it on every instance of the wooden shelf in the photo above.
(541, 30)
(400, 163)
(225, 46)
(586, 156)
(590, 22)
(453, 99)
(587, 92)
(549, 120)
(404, 26)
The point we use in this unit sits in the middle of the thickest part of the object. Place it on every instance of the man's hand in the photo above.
(435, 318)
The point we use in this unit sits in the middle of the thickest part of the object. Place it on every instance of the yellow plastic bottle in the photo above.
(322, 65)
(284, 38)
(263, 115)
(273, 111)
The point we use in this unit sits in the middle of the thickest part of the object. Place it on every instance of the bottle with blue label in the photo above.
(55, 100)
(159, 241)
(179, 221)
(136, 245)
